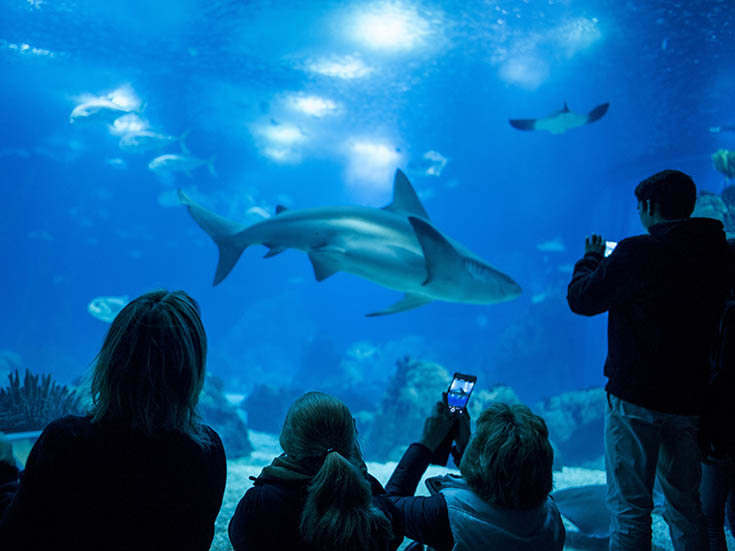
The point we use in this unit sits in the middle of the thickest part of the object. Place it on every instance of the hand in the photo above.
(6, 450)
(594, 244)
(437, 425)
(463, 432)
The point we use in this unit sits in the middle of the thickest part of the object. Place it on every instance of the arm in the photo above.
(599, 283)
(426, 519)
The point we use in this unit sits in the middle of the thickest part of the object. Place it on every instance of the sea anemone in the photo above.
(35, 403)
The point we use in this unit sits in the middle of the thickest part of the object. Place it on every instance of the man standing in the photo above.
(663, 293)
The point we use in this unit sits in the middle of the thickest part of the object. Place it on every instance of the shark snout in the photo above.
(510, 289)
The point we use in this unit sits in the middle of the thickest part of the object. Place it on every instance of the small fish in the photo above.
(117, 163)
(146, 140)
(259, 212)
(165, 165)
(725, 128)
(106, 308)
(556, 245)
(96, 108)
(432, 163)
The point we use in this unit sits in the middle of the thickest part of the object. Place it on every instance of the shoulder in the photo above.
(635, 243)
(214, 445)
(271, 495)
(66, 429)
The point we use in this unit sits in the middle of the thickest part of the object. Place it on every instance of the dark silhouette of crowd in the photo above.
(141, 471)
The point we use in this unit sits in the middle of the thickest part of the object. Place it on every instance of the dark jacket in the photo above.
(426, 518)
(269, 515)
(99, 486)
(664, 292)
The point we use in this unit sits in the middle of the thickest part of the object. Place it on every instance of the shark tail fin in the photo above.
(227, 235)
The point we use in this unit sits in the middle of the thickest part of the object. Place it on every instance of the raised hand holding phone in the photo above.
(437, 425)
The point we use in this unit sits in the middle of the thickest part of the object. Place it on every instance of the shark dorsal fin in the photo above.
(280, 209)
(566, 109)
(442, 259)
(405, 200)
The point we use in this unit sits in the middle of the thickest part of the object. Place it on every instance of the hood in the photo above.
(700, 240)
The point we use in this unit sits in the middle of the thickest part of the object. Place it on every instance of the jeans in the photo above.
(640, 446)
(718, 481)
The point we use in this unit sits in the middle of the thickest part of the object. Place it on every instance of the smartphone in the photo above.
(609, 247)
(459, 392)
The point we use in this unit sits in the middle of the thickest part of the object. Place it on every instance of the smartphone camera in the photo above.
(609, 247)
(459, 392)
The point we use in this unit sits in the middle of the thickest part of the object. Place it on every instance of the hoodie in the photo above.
(663, 292)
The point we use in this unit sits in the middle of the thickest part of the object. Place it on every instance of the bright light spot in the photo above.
(577, 34)
(372, 166)
(282, 154)
(526, 71)
(128, 124)
(389, 26)
(375, 154)
(347, 67)
(282, 134)
(313, 105)
(125, 97)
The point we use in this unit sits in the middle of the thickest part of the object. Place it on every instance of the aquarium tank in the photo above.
(419, 175)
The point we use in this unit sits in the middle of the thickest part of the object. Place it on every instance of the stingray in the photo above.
(585, 508)
(560, 121)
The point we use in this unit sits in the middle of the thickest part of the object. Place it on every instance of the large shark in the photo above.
(560, 121)
(396, 247)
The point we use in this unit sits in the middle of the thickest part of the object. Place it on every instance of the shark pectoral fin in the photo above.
(523, 124)
(405, 201)
(274, 250)
(222, 231)
(408, 302)
(597, 113)
(323, 266)
(442, 259)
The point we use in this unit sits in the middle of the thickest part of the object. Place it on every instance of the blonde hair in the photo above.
(508, 460)
(319, 435)
(151, 367)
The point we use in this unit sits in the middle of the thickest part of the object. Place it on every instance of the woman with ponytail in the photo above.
(317, 495)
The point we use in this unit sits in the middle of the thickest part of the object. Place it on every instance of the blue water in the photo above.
(432, 76)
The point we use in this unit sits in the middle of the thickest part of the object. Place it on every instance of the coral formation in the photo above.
(710, 205)
(266, 406)
(223, 417)
(34, 403)
(415, 387)
(724, 162)
(481, 399)
(576, 425)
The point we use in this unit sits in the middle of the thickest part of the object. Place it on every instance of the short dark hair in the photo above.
(509, 459)
(672, 190)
